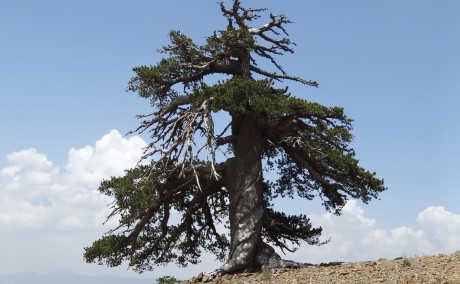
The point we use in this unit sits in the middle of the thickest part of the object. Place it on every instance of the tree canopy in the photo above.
(199, 179)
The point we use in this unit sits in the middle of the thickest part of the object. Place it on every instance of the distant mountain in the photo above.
(69, 278)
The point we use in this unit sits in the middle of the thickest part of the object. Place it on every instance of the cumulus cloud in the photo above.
(355, 237)
(14, 213)
(111, 155)
(55, 211)
(441, 226)
(50, 211)
(34, 192)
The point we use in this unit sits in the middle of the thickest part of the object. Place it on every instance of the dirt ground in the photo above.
(441, 268)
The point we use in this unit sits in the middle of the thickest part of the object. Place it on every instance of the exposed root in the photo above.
(265, 258)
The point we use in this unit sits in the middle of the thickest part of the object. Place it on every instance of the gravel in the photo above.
(442, 269)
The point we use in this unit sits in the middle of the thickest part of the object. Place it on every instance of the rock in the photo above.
(206, 279)
(427, 269)
(198, 278)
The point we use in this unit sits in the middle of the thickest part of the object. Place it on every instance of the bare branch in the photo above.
(283, 76)
(171, 190)
(226, 140)
(158, 115)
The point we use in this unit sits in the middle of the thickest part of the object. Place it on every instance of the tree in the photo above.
(169, 210)
(168, 280)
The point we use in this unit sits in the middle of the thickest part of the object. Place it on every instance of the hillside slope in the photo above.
(425, 269)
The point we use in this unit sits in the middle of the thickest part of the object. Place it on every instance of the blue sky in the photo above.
(64, 67)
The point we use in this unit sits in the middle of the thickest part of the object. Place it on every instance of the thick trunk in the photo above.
(244, 183)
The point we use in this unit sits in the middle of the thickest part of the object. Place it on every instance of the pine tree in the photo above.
(198, 178)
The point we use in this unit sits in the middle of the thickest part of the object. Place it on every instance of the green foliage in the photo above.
(182, 48)
(132, 192)
(143, 201)
(169, 210)
(240, 95)
(168, 280)
(107, 250)
(155, 82)
(229, 40)
(279, 228)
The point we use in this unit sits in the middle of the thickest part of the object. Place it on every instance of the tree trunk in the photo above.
(244, 181)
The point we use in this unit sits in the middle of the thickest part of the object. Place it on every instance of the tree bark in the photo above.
(244, 181)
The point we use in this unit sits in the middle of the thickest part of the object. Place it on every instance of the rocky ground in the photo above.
(441, 268)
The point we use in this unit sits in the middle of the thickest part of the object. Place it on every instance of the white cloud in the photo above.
(441, 227)
(29, 159)
(110, 157)
(71, 222)
(46, 205)
(42, 204)
(355, 237)
(15, 213)
(27, 166)
(34, 192)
